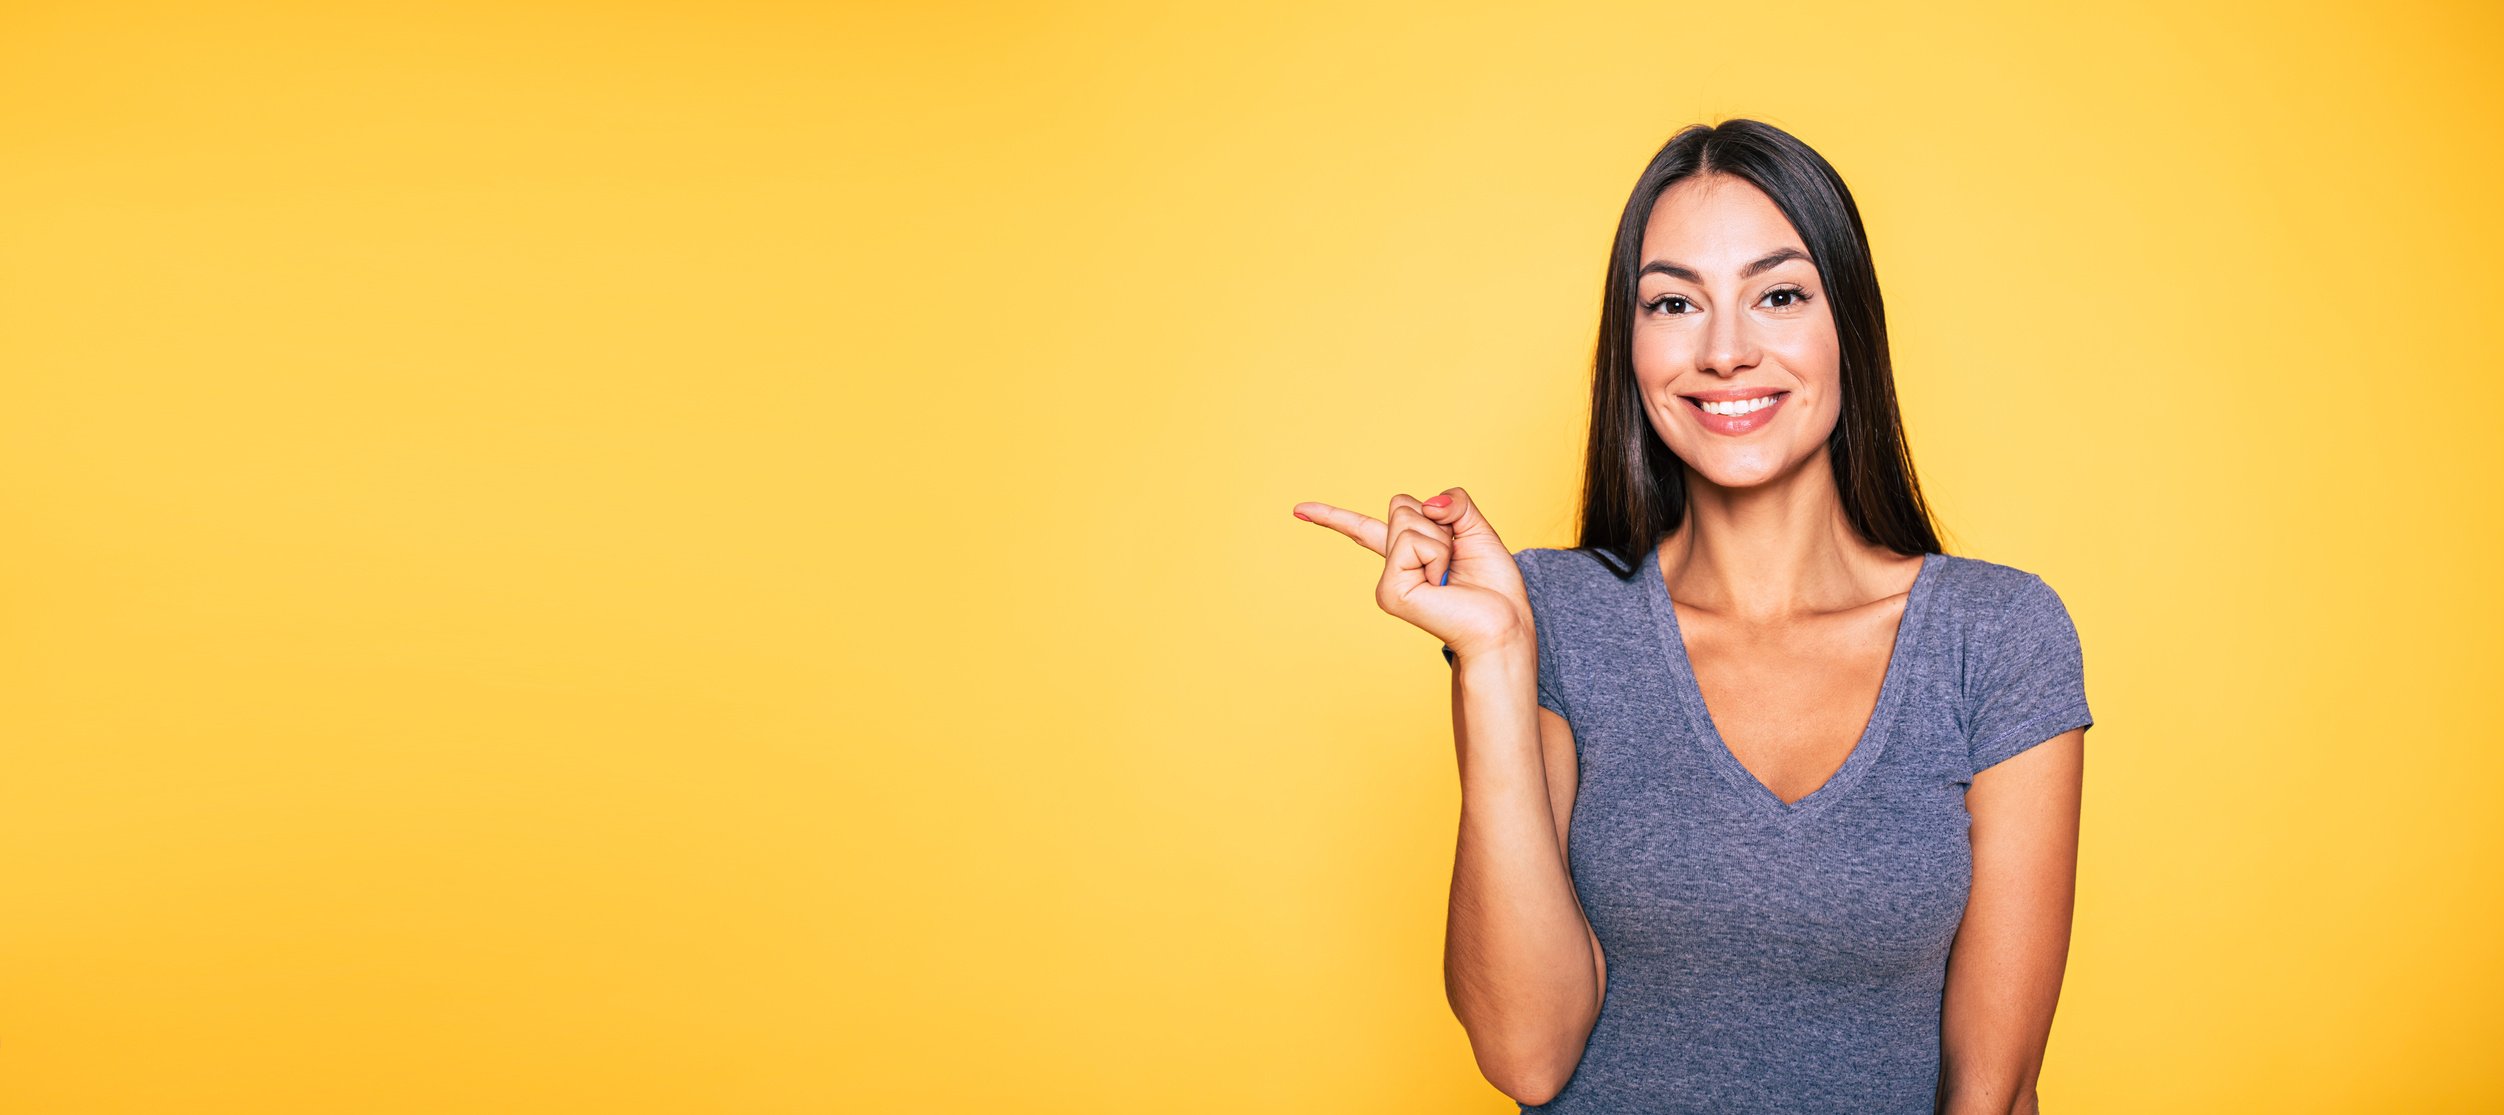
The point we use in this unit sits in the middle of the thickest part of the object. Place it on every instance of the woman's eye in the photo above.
(1792, 297)
(1796, 295)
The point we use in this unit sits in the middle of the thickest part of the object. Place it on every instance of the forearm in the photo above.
(1989, 1063)
(1995, 1025)
(1518, 967)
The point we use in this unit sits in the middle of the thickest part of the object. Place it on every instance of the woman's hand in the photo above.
(1443, 569)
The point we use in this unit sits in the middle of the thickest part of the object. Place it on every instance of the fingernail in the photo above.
(1438, 501)
(1303, 516)
(1447, 579)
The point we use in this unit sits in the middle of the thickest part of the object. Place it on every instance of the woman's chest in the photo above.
(1678, 854)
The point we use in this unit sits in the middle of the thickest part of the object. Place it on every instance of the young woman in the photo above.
(1768, 803)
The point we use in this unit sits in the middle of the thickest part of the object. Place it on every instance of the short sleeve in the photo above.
(1543, 617)
(1551, 685)
(1551, 697)
(2031, 681)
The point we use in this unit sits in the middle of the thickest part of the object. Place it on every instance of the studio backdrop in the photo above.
(735, 557)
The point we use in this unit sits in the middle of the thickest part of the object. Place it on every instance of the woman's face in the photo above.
(1729, 310)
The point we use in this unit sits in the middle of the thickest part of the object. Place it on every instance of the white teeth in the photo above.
(1742, 406)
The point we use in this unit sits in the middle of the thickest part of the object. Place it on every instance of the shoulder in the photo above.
(1572, 586)
(1988, 584)
(1560, 572)
(2018, 668)
(1570, 562)
(1539, 557)
(2003, 616)
(1987, 597)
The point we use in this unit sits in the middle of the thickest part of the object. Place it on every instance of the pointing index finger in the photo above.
(1365, 530)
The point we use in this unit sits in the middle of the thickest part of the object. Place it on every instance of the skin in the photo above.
(1789, 618)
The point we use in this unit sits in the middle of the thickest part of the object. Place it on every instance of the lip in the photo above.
(1732, 394)
(1735, 425)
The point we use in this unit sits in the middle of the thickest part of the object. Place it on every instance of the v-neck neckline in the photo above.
(1707, 736)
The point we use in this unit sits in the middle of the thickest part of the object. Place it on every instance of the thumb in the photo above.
(1453, 508)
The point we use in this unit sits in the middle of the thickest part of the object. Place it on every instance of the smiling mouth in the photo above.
(1734, 408)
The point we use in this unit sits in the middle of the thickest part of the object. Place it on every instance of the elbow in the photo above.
(1530, 1088)
(1988, 1099)
(1537, 1096)
(1528, 1047)
(1530, 1073)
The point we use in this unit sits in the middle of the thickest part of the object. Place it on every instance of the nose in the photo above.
(1729, 346)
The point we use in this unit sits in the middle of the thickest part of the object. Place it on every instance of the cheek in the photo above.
(1813, 355)
(1657, 358)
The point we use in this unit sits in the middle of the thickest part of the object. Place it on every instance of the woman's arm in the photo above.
(2004, 970)
(1520, 963)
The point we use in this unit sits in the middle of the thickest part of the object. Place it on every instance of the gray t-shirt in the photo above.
(1772, 957)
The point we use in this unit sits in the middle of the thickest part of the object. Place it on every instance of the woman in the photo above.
(1768, 803)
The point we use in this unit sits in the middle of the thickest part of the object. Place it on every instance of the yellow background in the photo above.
(736, 558)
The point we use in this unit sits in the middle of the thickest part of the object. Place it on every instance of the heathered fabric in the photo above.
(1765, 957)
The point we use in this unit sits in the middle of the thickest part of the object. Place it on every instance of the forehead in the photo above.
(1716, 222)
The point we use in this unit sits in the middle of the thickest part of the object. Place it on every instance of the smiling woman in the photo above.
(1768, 803)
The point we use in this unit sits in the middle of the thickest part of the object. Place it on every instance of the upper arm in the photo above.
(1557, 755)
(2004, 969)
(1564, 776)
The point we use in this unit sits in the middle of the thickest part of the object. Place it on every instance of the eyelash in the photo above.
(1799, 298)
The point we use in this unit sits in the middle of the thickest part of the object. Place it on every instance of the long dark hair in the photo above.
(1634, 488)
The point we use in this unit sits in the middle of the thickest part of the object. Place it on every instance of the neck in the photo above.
(1772, 551)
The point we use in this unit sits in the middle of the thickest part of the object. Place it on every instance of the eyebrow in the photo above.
(1771, 260)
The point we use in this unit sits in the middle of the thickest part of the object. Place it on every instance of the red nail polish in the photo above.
(1438, 501)
(1303, 516)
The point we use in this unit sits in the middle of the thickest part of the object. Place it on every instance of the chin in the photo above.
(1745, 471)
(1734, 479)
